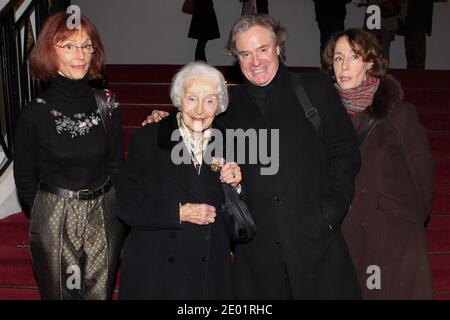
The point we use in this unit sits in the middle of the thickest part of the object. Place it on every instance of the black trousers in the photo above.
(415, 48)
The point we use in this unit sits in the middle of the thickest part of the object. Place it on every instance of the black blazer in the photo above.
(163, 258)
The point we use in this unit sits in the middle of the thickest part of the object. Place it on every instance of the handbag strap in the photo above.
(104, 109)
(366, 130)
(311, 113)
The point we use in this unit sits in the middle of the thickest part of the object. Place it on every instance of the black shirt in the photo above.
(261, 94)
(60, 139)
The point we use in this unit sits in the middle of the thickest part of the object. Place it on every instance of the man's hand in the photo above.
(155, 116)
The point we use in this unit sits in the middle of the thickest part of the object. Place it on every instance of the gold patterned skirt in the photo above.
(75, 246)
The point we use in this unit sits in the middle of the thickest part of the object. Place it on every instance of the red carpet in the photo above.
(140, 89)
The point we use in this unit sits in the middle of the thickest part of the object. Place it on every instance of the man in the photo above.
(298, 251)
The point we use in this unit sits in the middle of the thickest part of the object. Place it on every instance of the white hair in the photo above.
(203, 69)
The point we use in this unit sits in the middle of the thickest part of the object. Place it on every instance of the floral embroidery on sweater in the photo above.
(76, 125)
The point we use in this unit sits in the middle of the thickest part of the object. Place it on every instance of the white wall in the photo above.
(3, 3)
(9, 204)
(155, 31)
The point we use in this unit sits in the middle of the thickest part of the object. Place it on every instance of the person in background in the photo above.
(393, 12)
(68, 150)
(384, 228)
(255, 6)
(203, 27)
(418, 24)
(330, 17)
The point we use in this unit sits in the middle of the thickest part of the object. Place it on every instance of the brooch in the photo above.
(217, 164)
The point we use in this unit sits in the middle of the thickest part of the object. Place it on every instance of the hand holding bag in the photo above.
(238, 218)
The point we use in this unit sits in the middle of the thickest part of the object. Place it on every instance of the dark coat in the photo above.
(330, 10)
(419, 15)
(298, 250)
(204, 21)
(385, 225)
(163, 258)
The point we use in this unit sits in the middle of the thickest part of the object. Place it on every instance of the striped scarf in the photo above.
(358, 99)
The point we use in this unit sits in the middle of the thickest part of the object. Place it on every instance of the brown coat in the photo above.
(393, 192)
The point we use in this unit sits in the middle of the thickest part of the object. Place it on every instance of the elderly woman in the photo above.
(384, 227)
(178, 246)
(67, 148)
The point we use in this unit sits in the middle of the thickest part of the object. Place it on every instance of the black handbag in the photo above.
(237, 216)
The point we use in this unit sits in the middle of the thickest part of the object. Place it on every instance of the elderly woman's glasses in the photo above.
(71, 48)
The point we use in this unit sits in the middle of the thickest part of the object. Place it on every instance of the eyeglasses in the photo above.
(71, 48)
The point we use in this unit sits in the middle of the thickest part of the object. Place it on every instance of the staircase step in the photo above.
(159, 93)
(144, 93)
(438, 240)
(140, 73)
(134, 114)
(17, 293)
(428, 98)
(28, 293)
(13, 252)
(164, 73)
(18, 218)
(440, 264)
(435, 119)
(442, 170)
(438, 233)
(141, 92)
(440, 144)
(16, 272)
(441, 200)
(442, 296)
(10, 231)
(423, 79)
(439, 222)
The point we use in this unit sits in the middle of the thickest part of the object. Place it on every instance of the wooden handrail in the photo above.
(9, 6)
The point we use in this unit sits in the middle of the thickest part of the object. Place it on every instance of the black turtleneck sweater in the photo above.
(62, 141)
(260, 94)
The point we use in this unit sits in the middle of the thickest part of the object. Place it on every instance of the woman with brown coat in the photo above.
(384, 228)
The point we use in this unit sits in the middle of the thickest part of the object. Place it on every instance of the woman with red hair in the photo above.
(67, 150)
